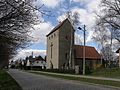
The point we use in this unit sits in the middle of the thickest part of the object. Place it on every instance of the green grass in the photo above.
(95, 81)
(7, 82)
(112, 73)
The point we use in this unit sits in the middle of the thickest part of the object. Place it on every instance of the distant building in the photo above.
(12, 64)
(37, 62)
(62, 53)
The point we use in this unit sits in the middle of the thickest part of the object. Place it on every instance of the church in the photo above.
(62, 53)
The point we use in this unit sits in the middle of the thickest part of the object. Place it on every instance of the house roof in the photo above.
(118, 50)
(39, 58)
(90, 52)
(58, 26)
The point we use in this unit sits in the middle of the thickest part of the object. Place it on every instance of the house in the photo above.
(35, 63)
(118, 51)
(39, 62)
(62, 53)
(92, 57)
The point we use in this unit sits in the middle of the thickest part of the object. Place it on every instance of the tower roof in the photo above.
(58, 26)
(90, 52)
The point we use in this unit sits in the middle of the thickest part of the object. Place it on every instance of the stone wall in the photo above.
(60, 41)
(53, 40)
(66, 35)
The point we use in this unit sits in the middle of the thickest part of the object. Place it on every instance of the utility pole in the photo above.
(83, 48)
(84, 52)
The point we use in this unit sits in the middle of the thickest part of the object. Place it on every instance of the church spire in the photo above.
(32, 54)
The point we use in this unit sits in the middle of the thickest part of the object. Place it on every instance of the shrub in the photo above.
(87, 70)
(65, 71)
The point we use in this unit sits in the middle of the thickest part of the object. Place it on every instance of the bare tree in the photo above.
(17, 17)
(74, 19)
(100, 35)
(111, 16)
(107, 28)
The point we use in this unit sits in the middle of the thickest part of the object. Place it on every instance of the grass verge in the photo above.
(7, 82)
(94, 81)
(111, 73)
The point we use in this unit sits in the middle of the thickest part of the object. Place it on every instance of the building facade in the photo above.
(59, 46)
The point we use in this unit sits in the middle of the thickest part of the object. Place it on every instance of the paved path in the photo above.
(92, 77)
(29, 81)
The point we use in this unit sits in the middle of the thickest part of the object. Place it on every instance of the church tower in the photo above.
(60, 41)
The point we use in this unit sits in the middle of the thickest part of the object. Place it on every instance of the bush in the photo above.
(65, 71)
(87, 70)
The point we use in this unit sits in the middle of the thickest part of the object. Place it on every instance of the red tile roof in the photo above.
(90, 52)
(57, 27)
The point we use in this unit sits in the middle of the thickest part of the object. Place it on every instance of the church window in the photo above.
(52, 36)
(49, 37)
(51, 48)
(66, 37)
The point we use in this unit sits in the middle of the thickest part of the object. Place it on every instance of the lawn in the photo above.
(95, 81)
(112, 73)
(7, 82)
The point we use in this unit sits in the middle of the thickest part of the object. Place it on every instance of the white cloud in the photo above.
(48, 3)
(78, 39)
(62, 17)
(82, 1)
(85, 18)
(93, 6)
(40, 32)
(89, 38)
(87, 15)
(27, 52)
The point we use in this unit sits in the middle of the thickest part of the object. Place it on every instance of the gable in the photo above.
(58, 26)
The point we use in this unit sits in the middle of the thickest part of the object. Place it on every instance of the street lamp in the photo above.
(83, 49)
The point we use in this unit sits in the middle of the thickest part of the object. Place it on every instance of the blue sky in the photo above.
(58, 9)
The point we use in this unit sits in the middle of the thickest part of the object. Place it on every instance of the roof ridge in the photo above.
(85, 46)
